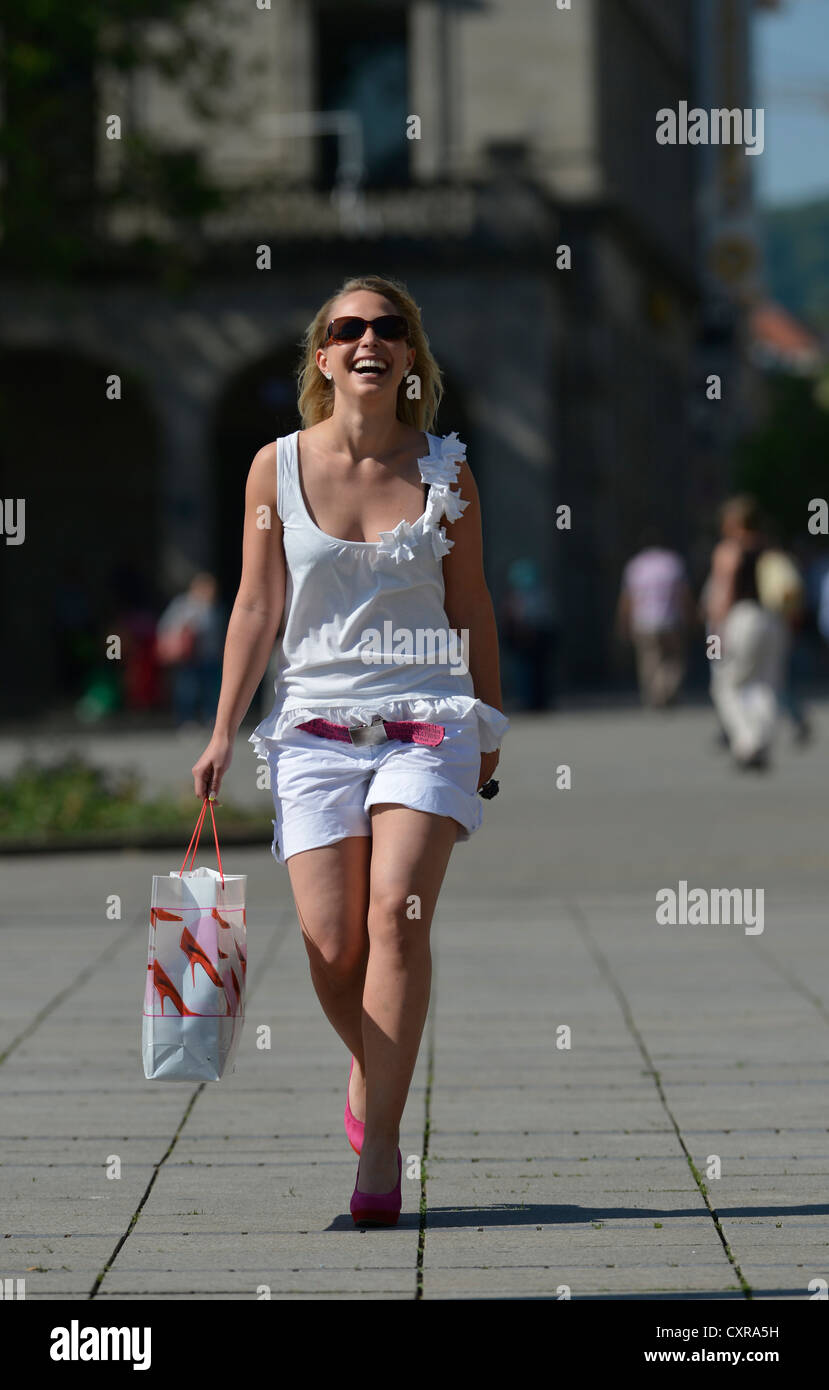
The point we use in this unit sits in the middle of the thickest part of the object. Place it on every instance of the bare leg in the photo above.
(331, 891)
(410, 853)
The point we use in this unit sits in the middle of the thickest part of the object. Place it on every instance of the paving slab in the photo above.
(545, 1165)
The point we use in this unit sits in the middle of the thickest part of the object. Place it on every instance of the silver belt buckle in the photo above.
(366, 734)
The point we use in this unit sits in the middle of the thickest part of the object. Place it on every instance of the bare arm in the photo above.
(254, 620)
(719, 587)
(468, 603)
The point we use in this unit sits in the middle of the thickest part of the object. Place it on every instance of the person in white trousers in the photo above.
(748, 677)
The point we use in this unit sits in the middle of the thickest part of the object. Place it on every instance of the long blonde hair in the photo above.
(316, 394)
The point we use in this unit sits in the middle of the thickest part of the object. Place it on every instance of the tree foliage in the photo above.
(797, 253)
(56, 207)
(784, 463)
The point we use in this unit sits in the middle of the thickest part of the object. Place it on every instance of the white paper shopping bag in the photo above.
(197, 962)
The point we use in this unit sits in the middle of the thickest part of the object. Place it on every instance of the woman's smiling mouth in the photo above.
(370, 366)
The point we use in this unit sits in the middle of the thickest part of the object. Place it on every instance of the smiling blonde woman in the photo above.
(375, 764)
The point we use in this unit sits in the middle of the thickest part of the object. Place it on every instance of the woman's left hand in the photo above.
(489, 762)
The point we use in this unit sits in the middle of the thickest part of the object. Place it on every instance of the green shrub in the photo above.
(72, 797)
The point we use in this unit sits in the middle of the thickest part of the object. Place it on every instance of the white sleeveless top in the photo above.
(364, 630)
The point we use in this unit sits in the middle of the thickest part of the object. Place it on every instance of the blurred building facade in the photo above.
(561, 257)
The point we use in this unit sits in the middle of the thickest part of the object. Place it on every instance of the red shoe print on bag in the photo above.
(160, 914)
(197, 956)
(237, 987)
(167, 989)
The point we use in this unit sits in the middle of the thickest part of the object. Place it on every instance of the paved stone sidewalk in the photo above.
(547, 1167)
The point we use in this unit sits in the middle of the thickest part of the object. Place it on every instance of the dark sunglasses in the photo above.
(391, 327)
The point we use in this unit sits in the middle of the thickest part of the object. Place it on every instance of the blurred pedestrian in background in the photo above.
(656, 612)
(529, 631)
(823, 606)
(189, 641)
(135, 623)
(817, 588)
(782, 591)
(747, 679)
(740, 530)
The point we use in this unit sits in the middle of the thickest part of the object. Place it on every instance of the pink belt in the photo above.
(378, 731)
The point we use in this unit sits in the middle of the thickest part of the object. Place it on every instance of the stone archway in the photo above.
(86, 468)
(257, 405)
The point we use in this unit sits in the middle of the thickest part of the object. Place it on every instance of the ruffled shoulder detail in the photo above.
(444, 466)
(440, 470)
(399, 543)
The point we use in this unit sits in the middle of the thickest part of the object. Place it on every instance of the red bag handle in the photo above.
(196, 835)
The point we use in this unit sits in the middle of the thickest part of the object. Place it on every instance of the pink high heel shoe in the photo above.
(355, 1129)
(377, 1208)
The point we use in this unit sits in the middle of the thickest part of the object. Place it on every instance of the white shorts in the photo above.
(322, 788)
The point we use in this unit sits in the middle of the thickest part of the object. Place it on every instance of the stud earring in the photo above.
(327, 376)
